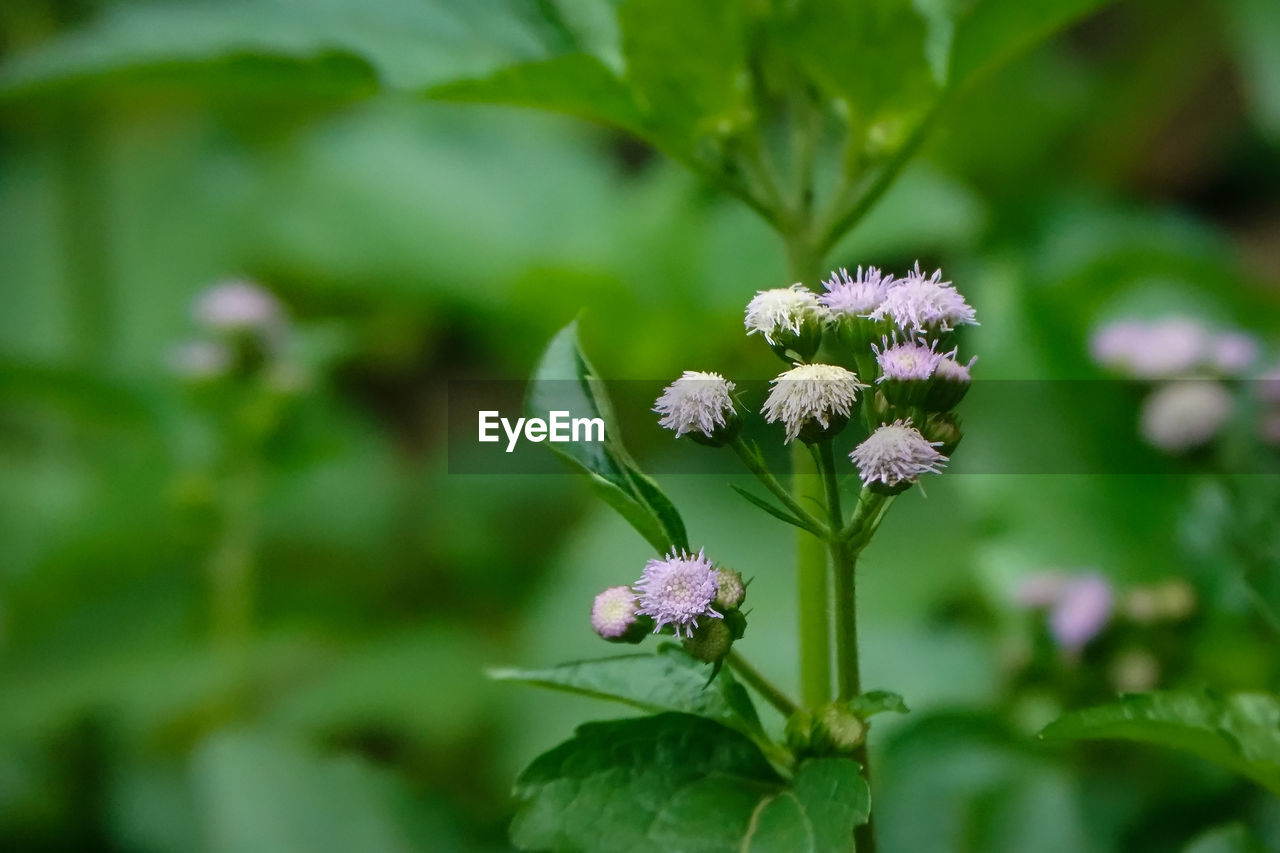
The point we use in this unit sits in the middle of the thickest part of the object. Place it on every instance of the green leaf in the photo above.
(686, 64)
(877, 702)
(402, 44)
(680, 782)
(670, 680)
(1253, 26)
(776, 512)
(1240, 731)
(565, 381)
(1229, 838)
(574, 84)
(993, 31)
(827, 798)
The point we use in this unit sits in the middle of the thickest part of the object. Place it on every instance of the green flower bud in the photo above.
(730, 590)
(944, 428)
(799, 732)
(836, 730)
(710, 641)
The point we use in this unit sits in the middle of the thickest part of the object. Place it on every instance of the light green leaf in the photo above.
(1254, 27)
(670, 680)
(1240, 731)
(877, 702)
(565, 381)
(680, 782)
(402, 44)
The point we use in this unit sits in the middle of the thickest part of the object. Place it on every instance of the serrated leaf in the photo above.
(680, 782)
(827, 798)
(565, 381)
(1240, 731)
(670, 680)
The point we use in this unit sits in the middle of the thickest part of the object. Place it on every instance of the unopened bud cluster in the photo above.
(685, 594)
(871, 350)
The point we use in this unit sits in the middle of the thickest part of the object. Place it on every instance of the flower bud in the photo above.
(730, 590)
(951, 381)
(700, 405)
(944, 429)
(906, 369)
(614, 617)
(710, 641)
(813, 401)
(893, 457)
(791, 319)
(837, 730)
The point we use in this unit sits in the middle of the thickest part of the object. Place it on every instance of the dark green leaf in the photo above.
(670, 680)
(565, 381)
(1231, 838)
(680, 782)
(1240, 731)
(993, 31)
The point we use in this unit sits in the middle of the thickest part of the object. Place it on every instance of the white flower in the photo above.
(897, 453)
(855, 296)
(1181, 415)
(907, 361)
(918, 304)
(237, 306)
(1233, 353)
(811, 392)
(784, 309)
(696, 401)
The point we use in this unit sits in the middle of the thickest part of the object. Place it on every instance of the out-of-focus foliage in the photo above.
(147, 150)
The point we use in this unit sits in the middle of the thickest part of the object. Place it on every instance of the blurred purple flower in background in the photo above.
(1080, 606)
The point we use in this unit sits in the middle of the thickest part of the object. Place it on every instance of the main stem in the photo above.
(811, 559)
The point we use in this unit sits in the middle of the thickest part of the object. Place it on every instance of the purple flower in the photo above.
(1081, 612)
(917, 304)
(855, 296)
(677, 590)
(237, 306)
(907, 361)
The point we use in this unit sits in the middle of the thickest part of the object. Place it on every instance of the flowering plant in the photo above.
(871, 364)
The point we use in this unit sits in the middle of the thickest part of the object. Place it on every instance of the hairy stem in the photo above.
(766, 688)
(752, 460)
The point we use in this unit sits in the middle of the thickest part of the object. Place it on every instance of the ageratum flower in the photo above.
(1185, 414)
(909, 361)
(237, 306)
(855, 296)
(919, 305)
(698, 403)
(812, 393)
(613, 613)
(951, 381)
(791, 320)
(895, 455)
(1081, 612)
(677, 590)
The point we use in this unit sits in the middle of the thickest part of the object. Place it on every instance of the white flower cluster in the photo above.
(811, 392)
(774, 313)
(696, 402)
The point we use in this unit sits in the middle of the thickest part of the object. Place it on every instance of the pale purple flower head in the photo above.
(811, 392)
(696, 401)
(1159, 349)
(1081, 612)
(908, 361)
(237, 306)
(917, 304)
(1232, 353)
(774, 313)
(857, 295)
(613, 612)
(950, 370)
(1186, 413)
(676, 590)
(897, 453)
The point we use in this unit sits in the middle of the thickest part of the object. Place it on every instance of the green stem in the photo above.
(766, 688)
(752, 460)
(811, 558)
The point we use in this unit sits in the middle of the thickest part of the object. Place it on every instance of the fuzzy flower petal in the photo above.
(677, 590)
(897, 453)
(857, 295)
(918, 304)
(696, 401)
(907, 361)
(613, 612)
(811, 392)
(785, 309)
(950, 370)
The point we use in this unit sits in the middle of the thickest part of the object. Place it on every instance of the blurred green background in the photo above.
(1131, 164)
